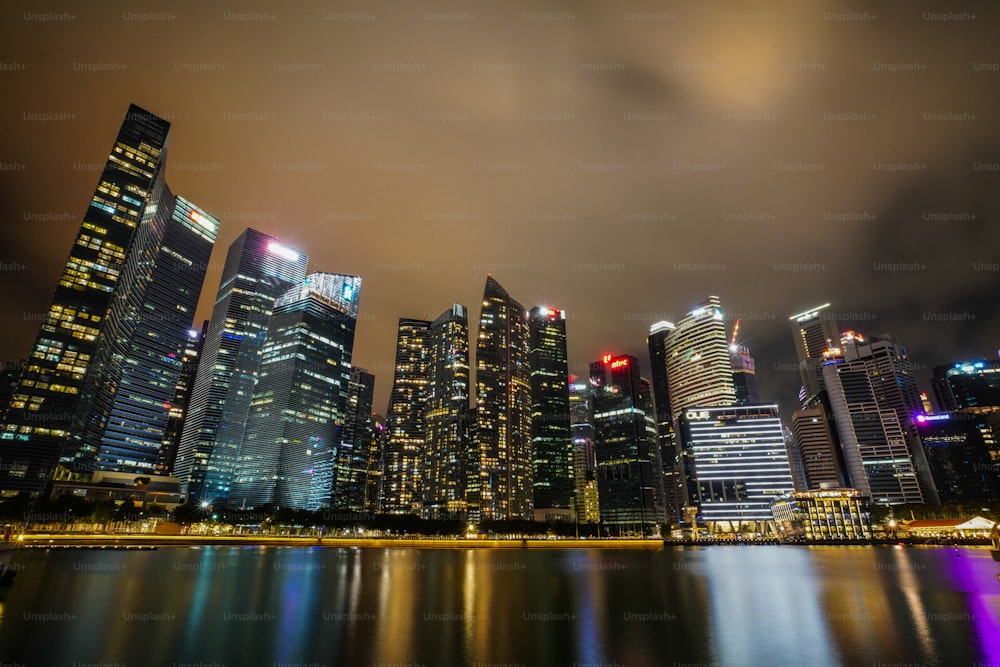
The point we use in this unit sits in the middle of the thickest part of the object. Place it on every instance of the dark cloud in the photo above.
(618, 160)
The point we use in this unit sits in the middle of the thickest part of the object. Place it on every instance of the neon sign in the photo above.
(282, 251)
(619, 363)
(696, 415)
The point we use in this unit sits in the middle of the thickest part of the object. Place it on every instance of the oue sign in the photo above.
(696, 415)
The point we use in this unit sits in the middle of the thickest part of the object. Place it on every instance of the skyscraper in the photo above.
(629, 470)
(125, 400)
(672, 482)
(877, 461)
(500, 485)
(39, 421)
(182, 396)
(586, 499)
(738, 464)
(258, 269)
(407, 405)
(551, 440)
(822, 460)
(351, 475)
(968, 384)
(296, 421)
(894, 387)
(744, 375)
(814, 331)
(443, 468)
(698, 368)
(963, 455)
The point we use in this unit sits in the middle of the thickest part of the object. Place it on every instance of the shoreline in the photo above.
(147, 541)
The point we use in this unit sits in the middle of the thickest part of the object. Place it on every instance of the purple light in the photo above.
(921, 418)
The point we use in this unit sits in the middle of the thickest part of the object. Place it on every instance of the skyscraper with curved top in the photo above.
(500, 475)
(699, 371)
(259, 268)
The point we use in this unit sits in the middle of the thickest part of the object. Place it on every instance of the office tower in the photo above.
(877, 461)
(968, 384)
(551, 441)
(738, 465)
(35, 437)
(443, 469)
(894, 387)
(629, 470)
(258, 269)
(182, 395)
(407, 405)
(673, 492)
(963, 455)
(376, 464)
(10, 376)
(814, 331)
(822, 461)
(795, 460)
(698, 368)
(500, 484)
(125, 399)
(586, 499)
(351, 478)
(744, 375)
(299, 406)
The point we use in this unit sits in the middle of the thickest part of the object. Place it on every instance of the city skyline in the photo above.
(595, 160)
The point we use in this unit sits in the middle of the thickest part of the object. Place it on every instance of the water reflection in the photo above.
(778, 606)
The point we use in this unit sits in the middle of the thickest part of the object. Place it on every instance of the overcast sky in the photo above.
(619, 160)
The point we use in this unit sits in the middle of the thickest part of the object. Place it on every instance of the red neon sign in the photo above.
(619, 363)
(606, 358)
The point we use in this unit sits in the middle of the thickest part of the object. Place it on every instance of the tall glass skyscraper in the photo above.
(182, 396)
(629, 470)
(500, 485)
(351, 479)
(744, 375)
(296, 421)
(968, 384)
(258, 269)
(672, 480)
(126, 397)
(444, 465)
(738, 464)
(35, 437)
(551, 440)
(407, 405)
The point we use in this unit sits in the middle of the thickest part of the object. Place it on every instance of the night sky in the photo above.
(619, 160)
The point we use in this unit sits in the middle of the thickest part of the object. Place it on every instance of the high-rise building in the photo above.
(814, 331)
(299, 406)
(877, 461)
(35, 438)
(673, 491)
(738, 465)
(744, 375)
(822, 461)
(968, 384)
(125, 399)
(627, 453)
(444, 469)
(407, 405)
(586, 498)
(376, 464)
(500, 484)
(551, 440)
(182, 395)
(963, 454)
(698, 368)
(894, 387)
(258, 269)
(351, 477)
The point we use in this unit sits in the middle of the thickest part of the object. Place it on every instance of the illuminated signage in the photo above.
(933, 418)
(619, 363)
(696, 415)
(282, 251)
(606, 358)
(203, 221)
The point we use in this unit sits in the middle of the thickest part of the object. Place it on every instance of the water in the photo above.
(763, 605)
